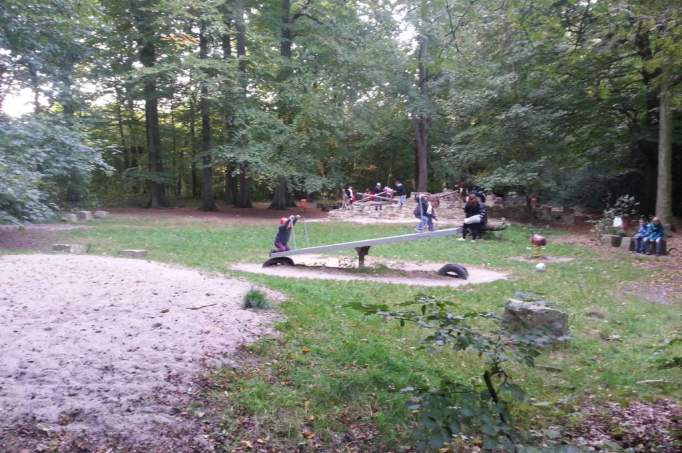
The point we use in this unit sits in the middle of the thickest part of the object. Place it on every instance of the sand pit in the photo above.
(378, 270)
(109, 347)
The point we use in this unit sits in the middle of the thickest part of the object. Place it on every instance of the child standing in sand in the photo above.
(284, 232)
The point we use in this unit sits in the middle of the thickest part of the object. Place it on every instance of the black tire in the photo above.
(454, 270)
(281, 261)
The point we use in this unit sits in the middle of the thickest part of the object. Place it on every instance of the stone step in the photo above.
(71, 248)
(133, 253)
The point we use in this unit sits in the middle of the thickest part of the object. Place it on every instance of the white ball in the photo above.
(540, 267)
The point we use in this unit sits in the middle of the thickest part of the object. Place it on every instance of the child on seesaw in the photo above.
(284, 232)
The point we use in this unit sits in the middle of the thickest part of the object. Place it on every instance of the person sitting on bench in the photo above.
(638, 241)
(655, 240)
(476, 217)
(284, 232)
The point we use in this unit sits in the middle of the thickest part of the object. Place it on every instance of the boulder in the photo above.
(535, 318)
(84, 215)
(71, 248)
(70, 218)
(133, 253)
(101, 214)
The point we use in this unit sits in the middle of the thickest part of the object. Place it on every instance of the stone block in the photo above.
(71, 248)
(535, 318)
(84, 215)
(133, 253)
(70, 218)
(101, 214)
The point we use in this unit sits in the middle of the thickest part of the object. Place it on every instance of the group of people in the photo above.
(475, 212)
(650, 238)
(377, 194)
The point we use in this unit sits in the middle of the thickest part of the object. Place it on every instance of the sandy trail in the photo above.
(98, 345)
(344, 268)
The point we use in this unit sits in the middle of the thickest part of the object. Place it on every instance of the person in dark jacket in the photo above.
(284, 232)
(401, 192)
(378, 191)
(476, 217)
(426, 213)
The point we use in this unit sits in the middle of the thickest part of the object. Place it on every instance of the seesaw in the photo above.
(362, 249)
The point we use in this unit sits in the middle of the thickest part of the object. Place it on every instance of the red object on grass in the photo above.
(538, 240)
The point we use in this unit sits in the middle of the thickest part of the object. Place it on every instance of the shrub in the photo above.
(257, 300)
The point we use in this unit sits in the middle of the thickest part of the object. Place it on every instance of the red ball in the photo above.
(538, 240)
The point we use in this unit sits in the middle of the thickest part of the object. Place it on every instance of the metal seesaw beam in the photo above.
(367, 243)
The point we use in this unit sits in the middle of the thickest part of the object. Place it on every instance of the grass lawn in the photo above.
(334, 371)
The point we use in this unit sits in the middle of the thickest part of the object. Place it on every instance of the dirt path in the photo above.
(379, 270)
(97, 345)
(34, 237)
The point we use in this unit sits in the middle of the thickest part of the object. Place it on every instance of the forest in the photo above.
(153, 152)
(159, 102)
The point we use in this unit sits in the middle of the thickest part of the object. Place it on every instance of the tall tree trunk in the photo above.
(123, 160)
(244, 196)
(193, 146)
(230, 182)
(151, 112)
(664, 205)
(280, 197)
(422, 119)
(231, 188)
(207, 199)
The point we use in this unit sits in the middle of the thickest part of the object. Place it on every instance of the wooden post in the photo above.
(362, 252)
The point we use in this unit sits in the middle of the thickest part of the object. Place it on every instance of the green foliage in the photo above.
(257, 300)
(625, 205)
(666, 355)
(457, 408)
(43, 161)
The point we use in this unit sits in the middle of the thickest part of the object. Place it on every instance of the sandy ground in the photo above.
(97, 345)
(36, 237)
(378, 270)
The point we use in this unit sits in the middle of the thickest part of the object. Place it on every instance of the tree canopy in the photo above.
(155, 101)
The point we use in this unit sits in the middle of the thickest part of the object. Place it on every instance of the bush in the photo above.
(43, 161)
(257, 300)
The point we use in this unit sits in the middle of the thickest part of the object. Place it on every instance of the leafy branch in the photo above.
(455, 408)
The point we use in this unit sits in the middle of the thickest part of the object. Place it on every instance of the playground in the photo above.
(171, 346)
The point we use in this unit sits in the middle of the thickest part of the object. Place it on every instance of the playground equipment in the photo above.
(362, 249)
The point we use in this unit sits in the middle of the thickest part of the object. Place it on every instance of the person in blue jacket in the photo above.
(638, 241)
(655, 240)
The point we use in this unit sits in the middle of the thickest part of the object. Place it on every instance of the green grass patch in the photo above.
(332, 366)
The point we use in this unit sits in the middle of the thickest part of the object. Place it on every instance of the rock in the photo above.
(70, 218)
(84, 215)
(101, 214)
(596, 313)
(71, 248)
(535, 318)
(133, 253)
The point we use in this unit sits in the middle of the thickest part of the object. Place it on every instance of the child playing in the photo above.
(284, 232)
(638, 241)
